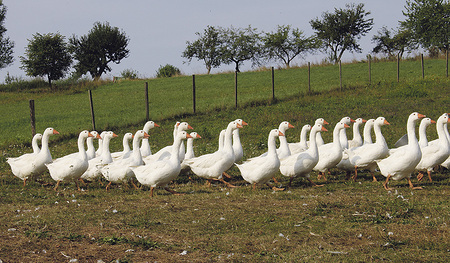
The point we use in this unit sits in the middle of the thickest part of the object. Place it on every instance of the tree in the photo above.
(393, 45)
(46, 55)
(6, 45)
(167, 71)
(285, 44)
(206, 48)
(429, 21)
(94, 51)
(339, 31)
(239, 45)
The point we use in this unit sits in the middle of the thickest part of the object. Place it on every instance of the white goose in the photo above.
(435, 153)
(357, 139)
(343, 134)
(301, 164)
(189, 150)
(424, 123)
(365, 155)
(32, 165)
(162, 172)
(90, 145)
(237, 146)
(330, 154)
(72, 166)
(319, 139)
(120, 171)
(446, 163)
(259, 170)
(165, 152)
(100, 144)
(95, 164)
(404, 160)
(302, 145)
(211, 166)
(283, 151)
(126, 152)
(145, 147)
(34, 143)
(367, 131)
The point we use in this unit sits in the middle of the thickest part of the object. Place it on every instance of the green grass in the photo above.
(118, 105)
(343, 221)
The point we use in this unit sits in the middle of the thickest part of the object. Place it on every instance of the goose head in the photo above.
(381, 121)
(149, 125)
(195, 135)
(321, 121)
(182, 126)
(284, 126)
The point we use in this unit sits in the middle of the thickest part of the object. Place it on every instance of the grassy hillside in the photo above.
(120, 104)
(343, 221)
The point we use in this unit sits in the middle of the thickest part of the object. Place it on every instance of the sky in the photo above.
(158, 30)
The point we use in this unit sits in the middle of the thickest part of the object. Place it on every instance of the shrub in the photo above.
(167, 71)
(129, 74)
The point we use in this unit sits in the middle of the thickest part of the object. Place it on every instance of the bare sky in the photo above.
(158, 30)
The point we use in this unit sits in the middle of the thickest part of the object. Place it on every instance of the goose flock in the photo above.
(295, 159)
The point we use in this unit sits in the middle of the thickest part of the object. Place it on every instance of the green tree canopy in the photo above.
(206, 48)
(94, 51)
(392, 43)
(167, 71)
(286, 43)
(46, 56)
(239, 45)
(6, 45)
(429, 21)
(340, 31)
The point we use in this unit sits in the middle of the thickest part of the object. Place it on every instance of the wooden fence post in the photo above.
(193, 92)
(398, 68)
(446, 63)
(92, 109)
(147, 109)
(33, 118)
(309, 77)
(369, 59)
(235, 89)
(423, 69)
(340, 74)
(273, 84)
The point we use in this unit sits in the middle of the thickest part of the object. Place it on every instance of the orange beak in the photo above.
(198, 136)
(280, 133)
(115, 135)
(325, 122)
(386, 122)
(363, 120)
(291, 126)
(189, 127)
(90, 135)
(239, 126)
(433, 121)
(156, 125)
(98, 136)
(244, 123)
(352, 120)
(146, 135)
(421, 115)
(55, 131)
(323, 129)
(346, 126)
(188, 135)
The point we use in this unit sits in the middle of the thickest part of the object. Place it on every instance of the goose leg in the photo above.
(135, 186)
(226, 175)
(254, 186)
(25, 182)
(356, 173)
(172, 191)
(151, 191)
(274, 188)
(429, 176)
(386, 183)
(412, 186)
(208, 182)
(57, 184)
(275, 180)
(419, 176)
(108, 186)
(314, 184)
(78, 187)
(373, 176)
(225, 182)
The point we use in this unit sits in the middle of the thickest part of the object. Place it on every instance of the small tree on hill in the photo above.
(46, 56)
(206, 48)
(339, 31)
(239, 45)
(392, 43)
(102, 45)
(287, 43)
(6, 45)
